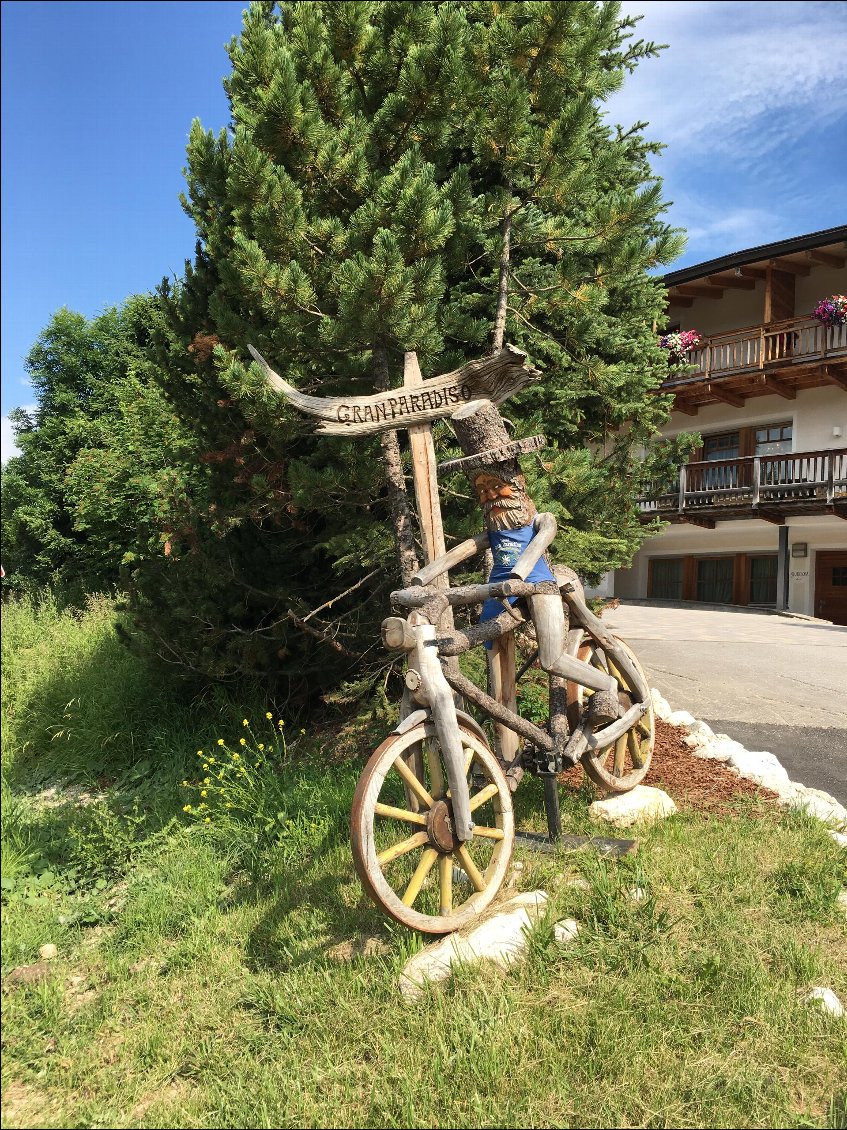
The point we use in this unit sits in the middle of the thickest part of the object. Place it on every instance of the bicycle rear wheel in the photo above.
(617, 766)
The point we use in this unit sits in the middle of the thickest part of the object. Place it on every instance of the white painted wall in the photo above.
(814, 413)
(819, 531)
(820, 283)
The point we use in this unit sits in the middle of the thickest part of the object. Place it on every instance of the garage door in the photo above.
(831, 586)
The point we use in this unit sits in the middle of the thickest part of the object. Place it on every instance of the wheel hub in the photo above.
(439, 826)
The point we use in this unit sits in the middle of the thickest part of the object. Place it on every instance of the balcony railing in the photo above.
(792, 341)
(808, 479)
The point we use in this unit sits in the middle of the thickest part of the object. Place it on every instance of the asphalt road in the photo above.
(771, 682)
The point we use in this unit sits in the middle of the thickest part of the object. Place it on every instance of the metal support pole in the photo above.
(551, 805)
(782, 571)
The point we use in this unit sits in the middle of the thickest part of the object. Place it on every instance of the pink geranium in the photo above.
(831, 311)
(678, 345)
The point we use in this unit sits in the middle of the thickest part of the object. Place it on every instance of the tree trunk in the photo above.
(499, 331)
(401, 516)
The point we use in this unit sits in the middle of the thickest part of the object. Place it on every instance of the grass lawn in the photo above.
(196, 983)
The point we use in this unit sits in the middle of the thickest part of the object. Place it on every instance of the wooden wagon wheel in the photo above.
(620, 765)
(410, 862)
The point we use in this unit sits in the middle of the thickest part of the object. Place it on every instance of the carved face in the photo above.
(504, 501)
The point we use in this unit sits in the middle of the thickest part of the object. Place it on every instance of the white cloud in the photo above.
(738, 79)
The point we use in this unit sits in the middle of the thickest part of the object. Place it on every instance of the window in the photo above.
(723, 446)
(839, 575)
(775, 439)
(666, 578)
(714, 579)
(763, 580)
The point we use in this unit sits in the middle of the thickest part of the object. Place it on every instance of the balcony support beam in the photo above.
(789, 266)
(734, 282)
(720, 393)
(691, 290)
(679, 300)
(774, 519)
(706, 523)
(834, 376)
(773, 385)
(686, 407)
(826, 257)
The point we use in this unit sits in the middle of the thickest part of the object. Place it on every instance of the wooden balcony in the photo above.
(771, 487)
(776, 358)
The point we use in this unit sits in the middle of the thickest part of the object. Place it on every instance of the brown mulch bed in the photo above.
(694, 783)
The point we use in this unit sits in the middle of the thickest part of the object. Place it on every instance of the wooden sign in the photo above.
(493, 378)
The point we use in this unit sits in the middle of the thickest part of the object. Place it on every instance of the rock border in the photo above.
(761, 767)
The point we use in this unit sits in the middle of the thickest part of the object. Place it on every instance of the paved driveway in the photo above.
(770, 682)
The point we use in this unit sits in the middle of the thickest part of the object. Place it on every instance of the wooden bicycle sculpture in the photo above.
(432, 822)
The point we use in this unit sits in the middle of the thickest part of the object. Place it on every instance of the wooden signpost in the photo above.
(415, 406)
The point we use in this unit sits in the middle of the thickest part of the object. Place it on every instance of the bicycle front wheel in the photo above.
(405, 849)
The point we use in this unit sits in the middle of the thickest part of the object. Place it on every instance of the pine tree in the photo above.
(428, 176)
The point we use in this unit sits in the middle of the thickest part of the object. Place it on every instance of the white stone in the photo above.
(636, 894)
(839, 838)
(501, 938)
(661, 706)
(48, 952)
(842, 900)
(680, 718)
(517, 865)
(825, 999)
(719, 748)
(566, 930)
(764, 769)
(702, 729)
(642, 803)
(819, 804)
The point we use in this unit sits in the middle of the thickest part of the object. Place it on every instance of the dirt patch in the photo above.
(694, 783)
(23, 1105)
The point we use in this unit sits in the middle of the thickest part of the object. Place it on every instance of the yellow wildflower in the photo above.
(186, 808)
(205, 765)
(220, 741)
(235, 757)
(242, 741)
(208, 820)
(245, 722)
(261, 745)
(204, 792)
(269, 716)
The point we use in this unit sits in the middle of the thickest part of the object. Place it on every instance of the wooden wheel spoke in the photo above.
(488, 833)
(421, 871)
(634, 748)
(436, 773)
(469, 756)
(402, 848)
(412, 781)
(399, 813)
(483, 795)
(470, 868)
(445, 878)
(620, 755)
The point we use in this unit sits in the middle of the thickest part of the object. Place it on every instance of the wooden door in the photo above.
(831, 586)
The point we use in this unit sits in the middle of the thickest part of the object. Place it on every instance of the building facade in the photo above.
(759, 515)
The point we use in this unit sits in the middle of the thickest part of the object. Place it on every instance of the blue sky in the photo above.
(98, 99)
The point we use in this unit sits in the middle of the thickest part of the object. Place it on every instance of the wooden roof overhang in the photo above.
(742, 269)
